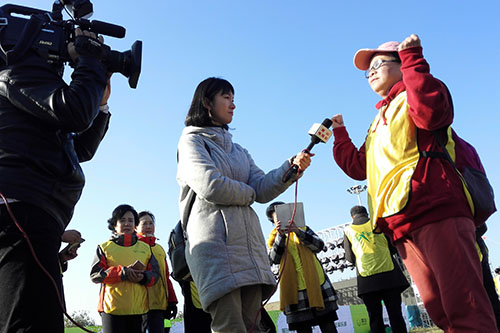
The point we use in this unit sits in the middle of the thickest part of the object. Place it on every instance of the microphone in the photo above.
(102, 28)
(319, 133)
(107, 29)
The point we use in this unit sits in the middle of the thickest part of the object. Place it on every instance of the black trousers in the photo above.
(488, 282)
(28, 301)
(195, 320)
(155, 320)
(123, 324)
(392, 302)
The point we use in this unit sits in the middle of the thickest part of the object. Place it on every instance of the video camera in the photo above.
(48, 34)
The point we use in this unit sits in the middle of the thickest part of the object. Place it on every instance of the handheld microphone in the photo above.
(319, 133)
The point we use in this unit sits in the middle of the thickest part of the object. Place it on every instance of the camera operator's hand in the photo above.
(86, 43)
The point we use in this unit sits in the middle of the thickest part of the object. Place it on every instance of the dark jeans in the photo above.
(28, 299)
(392, 302)
(123, 324)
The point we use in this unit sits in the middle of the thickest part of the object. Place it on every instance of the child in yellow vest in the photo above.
(306, 295)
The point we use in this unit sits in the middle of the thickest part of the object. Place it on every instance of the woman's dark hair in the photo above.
(119, 212)
(204, 94)
(147, 212)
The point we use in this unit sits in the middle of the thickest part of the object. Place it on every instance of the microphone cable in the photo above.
(35, 257)
(282, 267)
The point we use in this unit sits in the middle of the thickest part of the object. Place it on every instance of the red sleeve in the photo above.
(430, 103)
(101, 272)
(172, 298)
(351, 160)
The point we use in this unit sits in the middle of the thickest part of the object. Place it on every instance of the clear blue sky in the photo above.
(291, 65)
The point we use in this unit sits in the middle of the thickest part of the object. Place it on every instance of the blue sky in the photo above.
(291, 65)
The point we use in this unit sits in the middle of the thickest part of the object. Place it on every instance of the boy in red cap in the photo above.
(418, 201)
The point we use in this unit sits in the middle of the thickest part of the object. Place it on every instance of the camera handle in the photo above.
(25, 40)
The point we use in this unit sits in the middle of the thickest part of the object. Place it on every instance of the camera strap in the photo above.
(26, 39)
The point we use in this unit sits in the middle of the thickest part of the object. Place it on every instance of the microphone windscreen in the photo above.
(107, 29)
(327, 122)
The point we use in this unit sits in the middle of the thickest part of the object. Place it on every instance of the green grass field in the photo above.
(79, 330)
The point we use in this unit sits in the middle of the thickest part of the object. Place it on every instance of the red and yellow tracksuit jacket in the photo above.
(117, 295)
(162, 293)
(407, 191)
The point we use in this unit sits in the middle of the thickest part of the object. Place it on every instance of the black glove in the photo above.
(88, 46)
(171, 311)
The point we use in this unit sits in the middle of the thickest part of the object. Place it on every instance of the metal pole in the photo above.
(357, 190)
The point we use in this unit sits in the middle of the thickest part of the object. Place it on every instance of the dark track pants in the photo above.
(392, 302)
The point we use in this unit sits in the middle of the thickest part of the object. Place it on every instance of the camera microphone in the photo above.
(102, 28)
(319, 133)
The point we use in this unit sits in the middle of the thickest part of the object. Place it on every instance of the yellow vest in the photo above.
(391, 157)
(195, 297)
(371, 250)
(125, 298)
(158, 293)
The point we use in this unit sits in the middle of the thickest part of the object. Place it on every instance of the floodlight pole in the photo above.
(357, 190)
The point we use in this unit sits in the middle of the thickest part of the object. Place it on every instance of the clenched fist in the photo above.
(411, 41)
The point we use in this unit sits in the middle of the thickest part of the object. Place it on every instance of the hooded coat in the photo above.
(225, 247)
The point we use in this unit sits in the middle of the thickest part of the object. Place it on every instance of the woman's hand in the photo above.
(302, 160)
(133, 275)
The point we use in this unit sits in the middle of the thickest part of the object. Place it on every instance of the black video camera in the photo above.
(48, 34)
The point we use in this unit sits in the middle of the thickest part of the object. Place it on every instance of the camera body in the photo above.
(48, 35)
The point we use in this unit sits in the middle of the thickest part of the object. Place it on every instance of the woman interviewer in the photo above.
(124, 267)
(219, 180)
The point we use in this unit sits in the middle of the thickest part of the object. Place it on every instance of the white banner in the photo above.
(344, 323)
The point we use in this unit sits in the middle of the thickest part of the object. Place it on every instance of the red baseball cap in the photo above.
(362, 57)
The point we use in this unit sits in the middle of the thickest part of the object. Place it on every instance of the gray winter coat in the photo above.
(219, 180)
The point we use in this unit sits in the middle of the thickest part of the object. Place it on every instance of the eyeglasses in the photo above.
(377, 65)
